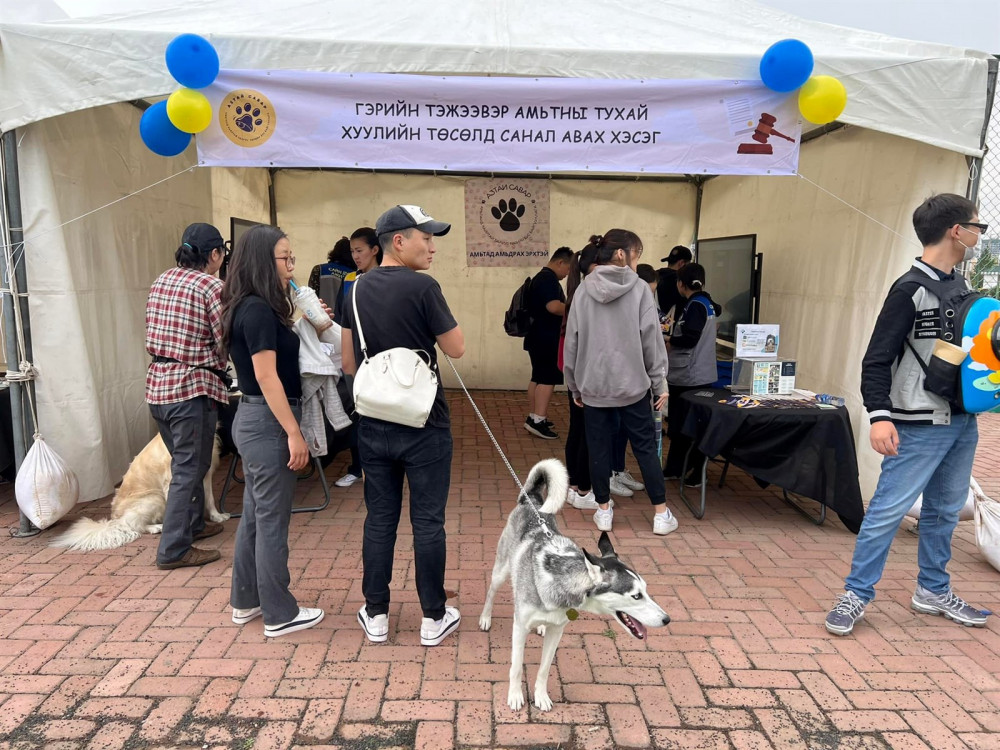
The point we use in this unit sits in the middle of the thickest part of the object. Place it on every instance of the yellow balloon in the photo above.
(189, 110)
(822, 99)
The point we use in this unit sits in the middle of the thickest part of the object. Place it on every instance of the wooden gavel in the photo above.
(765, 128)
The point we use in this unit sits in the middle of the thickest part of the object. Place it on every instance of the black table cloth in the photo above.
(808, 450)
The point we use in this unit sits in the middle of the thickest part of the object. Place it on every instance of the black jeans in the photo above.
(577, 455)
(677, 411)
(390, 452)
(188, 431)
(602, 430)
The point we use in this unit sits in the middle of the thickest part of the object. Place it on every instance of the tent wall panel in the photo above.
(316, 208)
(826, 266)
(89, 279)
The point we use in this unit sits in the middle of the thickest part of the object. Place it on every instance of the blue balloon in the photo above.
(193, 61)
(786, 65)
(159, 134)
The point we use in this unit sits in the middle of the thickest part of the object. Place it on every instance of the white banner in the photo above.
(414, 122)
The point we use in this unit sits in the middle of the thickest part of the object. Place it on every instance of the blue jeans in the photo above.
(935, 460)
(390, 453)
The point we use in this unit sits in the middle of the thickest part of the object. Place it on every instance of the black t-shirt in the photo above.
(256, 328)
(400, 307)
(545, 288)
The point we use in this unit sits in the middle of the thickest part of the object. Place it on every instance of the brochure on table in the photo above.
(757, 341)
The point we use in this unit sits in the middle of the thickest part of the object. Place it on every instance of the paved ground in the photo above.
(102, 650)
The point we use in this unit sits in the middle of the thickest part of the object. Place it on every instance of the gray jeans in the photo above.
(188, 431)
(260, 560)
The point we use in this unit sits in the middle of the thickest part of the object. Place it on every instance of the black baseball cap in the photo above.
(202, 237)
(399, 218)
(678, 252)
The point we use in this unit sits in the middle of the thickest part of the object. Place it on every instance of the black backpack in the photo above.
(517, 319)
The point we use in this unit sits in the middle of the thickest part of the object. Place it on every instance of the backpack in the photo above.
(517, 319)
(968, 323)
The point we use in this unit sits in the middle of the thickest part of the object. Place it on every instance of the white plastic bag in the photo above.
(46, 488)
(987, 526)
(967, 512)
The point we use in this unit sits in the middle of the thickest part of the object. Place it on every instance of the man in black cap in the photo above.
(399, 307)
(666, 290)
(185, 385)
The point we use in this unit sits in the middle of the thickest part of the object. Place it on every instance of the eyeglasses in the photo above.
(289, 259)
(982, 227)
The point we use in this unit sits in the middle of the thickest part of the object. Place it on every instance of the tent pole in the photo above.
(272, 202)
(976, 164)
(21, 417)
(699, 184)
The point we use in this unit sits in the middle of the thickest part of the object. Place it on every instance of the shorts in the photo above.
(545, 363)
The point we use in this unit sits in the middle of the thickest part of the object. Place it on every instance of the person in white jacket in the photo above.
(614, 357)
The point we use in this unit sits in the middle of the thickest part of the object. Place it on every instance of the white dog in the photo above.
(139, 503)
(553, 579)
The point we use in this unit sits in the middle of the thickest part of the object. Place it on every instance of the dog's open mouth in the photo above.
(636, 628)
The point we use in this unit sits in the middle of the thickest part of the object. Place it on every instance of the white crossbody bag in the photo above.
(397, 385)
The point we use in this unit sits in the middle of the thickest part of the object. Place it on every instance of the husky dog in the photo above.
(139, 503)
(552, 578)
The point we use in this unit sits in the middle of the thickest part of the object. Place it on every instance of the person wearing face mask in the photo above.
(928, 444)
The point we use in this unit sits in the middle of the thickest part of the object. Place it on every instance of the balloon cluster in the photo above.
(166, 127)
(787, 65)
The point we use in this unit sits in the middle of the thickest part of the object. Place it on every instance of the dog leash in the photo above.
(482, 420)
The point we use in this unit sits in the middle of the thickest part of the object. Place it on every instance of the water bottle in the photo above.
(306, 300)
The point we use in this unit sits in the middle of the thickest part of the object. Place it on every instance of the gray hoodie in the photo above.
(614, 349)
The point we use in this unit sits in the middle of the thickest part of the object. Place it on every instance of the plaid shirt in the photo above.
(184, 322)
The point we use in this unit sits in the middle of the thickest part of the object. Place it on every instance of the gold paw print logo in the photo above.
(247, 118)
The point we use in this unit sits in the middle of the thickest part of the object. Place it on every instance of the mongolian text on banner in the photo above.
(473, 124)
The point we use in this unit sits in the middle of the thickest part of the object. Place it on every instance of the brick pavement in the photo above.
(101, 650)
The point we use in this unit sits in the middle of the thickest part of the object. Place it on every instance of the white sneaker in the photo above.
(583, 502)
(629, 481)
(617, 487)
(347, 480)
(243, 616)
(664, 523)
(306, 619)
(376, 628)
(432, 632)
(603, 519)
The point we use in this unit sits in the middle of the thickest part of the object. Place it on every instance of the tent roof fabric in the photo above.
(928, 92)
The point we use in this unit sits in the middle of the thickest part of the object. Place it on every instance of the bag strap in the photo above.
(357, 320)
(923, 365)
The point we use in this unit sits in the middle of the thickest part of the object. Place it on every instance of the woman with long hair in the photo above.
(367, 256)
(580, 494)
(257, 320)
(614, 356)
(693, 365)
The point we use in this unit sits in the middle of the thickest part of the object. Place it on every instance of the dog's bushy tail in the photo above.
(89, 535)
(548, 479)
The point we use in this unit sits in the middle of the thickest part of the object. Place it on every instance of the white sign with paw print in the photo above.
(507, 222)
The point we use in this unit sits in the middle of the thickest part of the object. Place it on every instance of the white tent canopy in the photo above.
(102, 215)
(928, 92)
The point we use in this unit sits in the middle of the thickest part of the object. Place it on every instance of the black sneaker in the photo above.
(540, 429)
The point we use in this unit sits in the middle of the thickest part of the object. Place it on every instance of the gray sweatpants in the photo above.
(188, 431)
(260, 560)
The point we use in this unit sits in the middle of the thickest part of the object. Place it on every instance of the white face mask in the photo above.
(971, 251)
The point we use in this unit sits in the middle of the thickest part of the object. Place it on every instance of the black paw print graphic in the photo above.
(247, 120)
(509, 215)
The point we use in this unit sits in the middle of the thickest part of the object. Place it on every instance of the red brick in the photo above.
(113, 736)
(29, 683)
(312, 688)
(717, 718)
(684, 688)
(867, 721)
(364, 700)
(276, 735)
(744, 739)
(627, 726)
(263, 679)
(35, 657)
(780, 729)
(106, 708)
(474, 724)
(532, 734)
(404, 681)
(68, 729)
(932, 730)
(217, 697)
(267, 708)
(430, 710)
(161, 721)
(464, 690)
(434, 735)
(216, 667)
(168, 686)
(16, 709)
(321, 718)
(695, 739)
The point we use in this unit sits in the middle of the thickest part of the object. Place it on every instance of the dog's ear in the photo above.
(605, 546)
(594, 568)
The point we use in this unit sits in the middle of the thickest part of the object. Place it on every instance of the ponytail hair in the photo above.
(692, 275)
(614, 239)
(579, 266)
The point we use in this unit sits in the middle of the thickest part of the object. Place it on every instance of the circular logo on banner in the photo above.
(247, 117)
(508, 215)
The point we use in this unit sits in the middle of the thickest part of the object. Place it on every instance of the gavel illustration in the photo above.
(764, 130)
